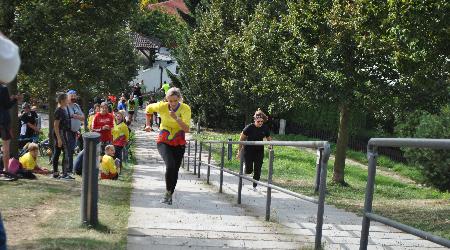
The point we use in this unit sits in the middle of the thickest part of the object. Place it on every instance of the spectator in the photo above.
(29, 160)
(76, 118)
(122, 104)
(29, 131)
(103, 123)
(121, 134)
(61, 129)
(108, 168)
(92, 115)
(9, 66)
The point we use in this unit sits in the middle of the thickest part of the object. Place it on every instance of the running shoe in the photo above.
(167, 198)
(255, 189)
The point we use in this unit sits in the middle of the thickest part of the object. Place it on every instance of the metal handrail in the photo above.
(323, 154)
(368, 215)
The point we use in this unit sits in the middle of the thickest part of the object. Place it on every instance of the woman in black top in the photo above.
(253, 155)
(61, 130)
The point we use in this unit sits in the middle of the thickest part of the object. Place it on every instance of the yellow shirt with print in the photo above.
(170, 131)
(28, 162)
(107, 166)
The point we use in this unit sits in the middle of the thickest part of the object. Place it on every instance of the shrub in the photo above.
(434, 164)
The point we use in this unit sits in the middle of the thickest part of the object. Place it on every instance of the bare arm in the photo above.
(56, 128)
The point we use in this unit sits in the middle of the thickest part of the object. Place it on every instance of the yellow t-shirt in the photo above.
(120, 134)
(170, 132)
(28, 162)
(107, 166)
(90, 120)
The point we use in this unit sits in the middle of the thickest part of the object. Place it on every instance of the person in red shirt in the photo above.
(103, 123)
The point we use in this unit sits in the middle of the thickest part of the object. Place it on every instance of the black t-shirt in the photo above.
(26, 118)
(255, 134)
(63, 118)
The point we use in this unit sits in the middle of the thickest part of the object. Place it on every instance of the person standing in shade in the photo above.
(9, 66)
(76, 118)
(61, 133)
(103, 123)
(171, 142)
(254, 155)
(29, 131)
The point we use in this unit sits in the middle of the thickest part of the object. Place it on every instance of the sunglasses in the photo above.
(259, 121)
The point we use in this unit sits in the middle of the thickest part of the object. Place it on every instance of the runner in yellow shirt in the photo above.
(176, 118)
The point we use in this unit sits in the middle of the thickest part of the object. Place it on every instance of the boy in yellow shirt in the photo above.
(28, 160)
(108, 168)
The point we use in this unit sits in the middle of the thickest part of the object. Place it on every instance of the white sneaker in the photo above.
(255, 189)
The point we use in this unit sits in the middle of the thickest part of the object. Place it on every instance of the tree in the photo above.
(75, 45)
(344, 59)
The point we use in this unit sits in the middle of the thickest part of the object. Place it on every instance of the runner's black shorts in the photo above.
(131, 112)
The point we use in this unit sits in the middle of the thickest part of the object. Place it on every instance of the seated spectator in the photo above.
(29, 160)
(108, 168)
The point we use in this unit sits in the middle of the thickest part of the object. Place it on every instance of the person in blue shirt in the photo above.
(122, 104)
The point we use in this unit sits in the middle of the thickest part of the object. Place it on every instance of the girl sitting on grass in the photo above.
(29, 160)
(108, 168)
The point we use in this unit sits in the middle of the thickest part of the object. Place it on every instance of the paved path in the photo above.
(201, 218)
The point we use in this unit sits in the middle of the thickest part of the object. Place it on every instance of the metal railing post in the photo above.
(195, 157)
(372, 157)
(189, 154)
(209, 162)
(199, 160)
(269, 180)
(322, 193)
(241, 172)
(222, 165)
(230, 150)
(318, 169)
(89, 187)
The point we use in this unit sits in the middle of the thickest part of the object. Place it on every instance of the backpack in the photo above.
(14, 166)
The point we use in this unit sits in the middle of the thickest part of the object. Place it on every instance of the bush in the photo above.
(434, 164)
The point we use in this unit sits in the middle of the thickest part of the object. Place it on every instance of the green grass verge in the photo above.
(45, 213)
(383, 162)
(425, 208)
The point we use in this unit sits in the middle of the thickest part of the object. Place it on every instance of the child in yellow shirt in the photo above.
(29, 160)
(108, 168)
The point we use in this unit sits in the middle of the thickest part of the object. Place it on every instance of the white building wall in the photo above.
(152, 76)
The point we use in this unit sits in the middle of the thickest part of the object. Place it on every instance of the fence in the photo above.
(323, 154)
(368, 215)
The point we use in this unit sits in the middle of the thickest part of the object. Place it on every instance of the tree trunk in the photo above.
(51, 109)
(14, 144)
(85, 107)
(341, 146)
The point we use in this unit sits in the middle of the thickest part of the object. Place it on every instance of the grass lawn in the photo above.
(425, 208)
(45, 213)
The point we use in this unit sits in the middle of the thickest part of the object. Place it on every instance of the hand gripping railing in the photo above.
(323, 153)
(372, 146)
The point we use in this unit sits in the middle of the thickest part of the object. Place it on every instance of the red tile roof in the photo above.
(169, 7)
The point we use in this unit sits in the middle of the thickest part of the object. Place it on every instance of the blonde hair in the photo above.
(260, 114)
(122, 113)
(32, 146)
(174, 91)
(109, 147)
